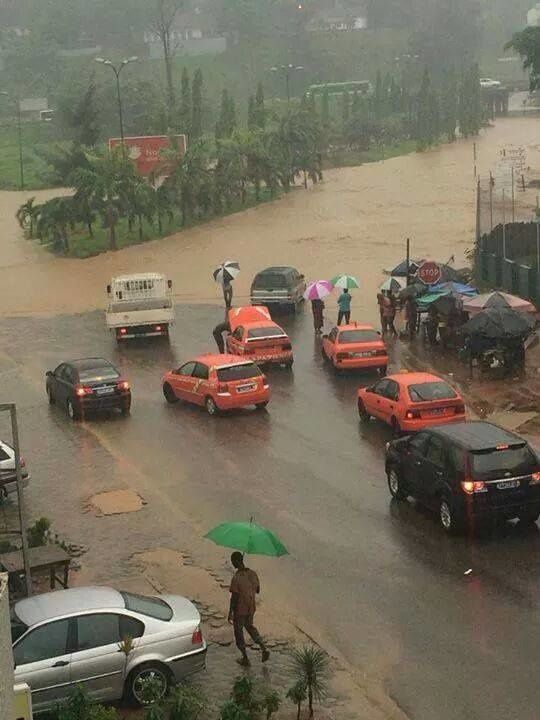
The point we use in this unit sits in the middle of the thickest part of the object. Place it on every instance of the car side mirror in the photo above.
(48, 373)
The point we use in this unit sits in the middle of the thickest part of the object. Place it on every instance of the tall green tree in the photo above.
(197, 105)
(260, 110)
(378, 99)
(185, 104)
(425, 121)
(83, 116)
(227, 116)
(325, 108)
(345, 109)
(252, 113)
(527, 45)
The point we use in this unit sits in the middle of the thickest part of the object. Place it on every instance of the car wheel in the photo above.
(447, 516)
(72, 411)
(50, 395)
(396, 427)
(147, 684)
(362, 412)
(395, 484)
(210, 405)
(168, 393)
(529, 518)
(261, 405)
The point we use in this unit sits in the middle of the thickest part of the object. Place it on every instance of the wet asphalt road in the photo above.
(385, 586)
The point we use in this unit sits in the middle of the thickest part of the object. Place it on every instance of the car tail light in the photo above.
(223, 388)
(412, 414)
(123, 385)
(158, 328)
(459, 409)
(197, 638)
(473, 486)
(342, 356)
(81, 391)
(535, 478)
(122, 331)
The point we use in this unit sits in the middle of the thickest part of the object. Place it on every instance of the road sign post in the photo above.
(429, 273)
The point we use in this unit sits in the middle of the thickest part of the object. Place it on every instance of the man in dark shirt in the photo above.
(244, 587)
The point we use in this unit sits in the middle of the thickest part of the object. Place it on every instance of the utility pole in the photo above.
(11, 408)
(117, 69)
(288, 71)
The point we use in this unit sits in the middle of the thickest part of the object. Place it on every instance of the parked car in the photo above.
(255, 335)
(71, 637)
(8, 477)
(356, 347)
(218, 382)
(87, 385)
(411, 401)
(277, 287)
(467, 472)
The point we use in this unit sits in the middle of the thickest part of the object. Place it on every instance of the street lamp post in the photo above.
(117, 69)
(536, 218)
(19, 134)
(288, 71)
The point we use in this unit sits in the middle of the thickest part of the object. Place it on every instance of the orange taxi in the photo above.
(256, 336)
(355, 346)
(411, 401)
(218, 382)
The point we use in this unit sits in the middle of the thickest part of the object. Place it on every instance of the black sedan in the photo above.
(86, 385)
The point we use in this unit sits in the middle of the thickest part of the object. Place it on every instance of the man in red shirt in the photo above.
(244, 587)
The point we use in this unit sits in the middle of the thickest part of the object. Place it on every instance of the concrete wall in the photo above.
(6, 657)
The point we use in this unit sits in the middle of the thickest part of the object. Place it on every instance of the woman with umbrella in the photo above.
(315, 292)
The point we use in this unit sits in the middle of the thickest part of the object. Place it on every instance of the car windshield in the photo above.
(264, 332)
(107, 372)
(357, 336)
(271, 280)
(151, 606)
(497, 463)
(18, 628)
(238, 372)
(424, 392)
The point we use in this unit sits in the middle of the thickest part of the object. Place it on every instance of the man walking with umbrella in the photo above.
(244, 587)
(224, 274)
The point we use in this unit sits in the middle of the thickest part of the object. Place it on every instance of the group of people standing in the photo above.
(344, 310)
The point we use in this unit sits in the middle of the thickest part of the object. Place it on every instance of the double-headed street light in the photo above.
(19, 131)
(117, 69)
(288, 71)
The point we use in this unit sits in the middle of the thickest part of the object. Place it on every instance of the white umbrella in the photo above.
(226, 272)
(393, 284)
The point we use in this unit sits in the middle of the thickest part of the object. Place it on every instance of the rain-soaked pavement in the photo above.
(375, 581)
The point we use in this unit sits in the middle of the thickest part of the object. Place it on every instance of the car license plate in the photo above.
(437, 411)
(361, 354)
(105, 391)
(245, 388)
(507, 484)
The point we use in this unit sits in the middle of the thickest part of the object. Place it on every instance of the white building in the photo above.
(533, 16)
(6, 656)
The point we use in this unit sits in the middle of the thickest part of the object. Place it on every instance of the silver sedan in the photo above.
(109, 642)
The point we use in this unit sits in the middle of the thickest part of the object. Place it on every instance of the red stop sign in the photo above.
(429, 273)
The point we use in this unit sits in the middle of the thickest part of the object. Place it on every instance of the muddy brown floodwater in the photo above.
(356, 221)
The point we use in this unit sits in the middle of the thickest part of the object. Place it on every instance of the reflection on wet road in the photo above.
(377, 581)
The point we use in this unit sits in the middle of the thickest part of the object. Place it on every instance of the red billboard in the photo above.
(146, 151)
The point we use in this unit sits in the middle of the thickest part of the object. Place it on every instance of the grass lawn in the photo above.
(36, 171)
(351, 158)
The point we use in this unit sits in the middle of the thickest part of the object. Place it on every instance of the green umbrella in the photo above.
(345, 281)
(248, 537)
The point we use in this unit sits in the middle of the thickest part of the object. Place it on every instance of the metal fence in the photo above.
(505, 199)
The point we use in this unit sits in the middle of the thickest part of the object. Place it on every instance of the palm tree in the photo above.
(54, 217)
(310, 666)
(297, 695)
(190, 179)
(27, 214)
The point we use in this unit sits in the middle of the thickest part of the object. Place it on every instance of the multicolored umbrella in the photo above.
(248, 537)
(318, 290)
(345, 281)
(393, 284)
(497, 299)
(226, 272)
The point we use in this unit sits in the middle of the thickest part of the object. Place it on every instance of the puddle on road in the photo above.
(116, 502)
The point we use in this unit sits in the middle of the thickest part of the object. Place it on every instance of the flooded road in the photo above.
(355, 221)
(375, 582)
